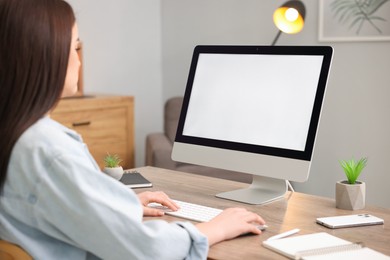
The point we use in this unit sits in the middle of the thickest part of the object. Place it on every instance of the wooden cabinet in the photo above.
(106, 124)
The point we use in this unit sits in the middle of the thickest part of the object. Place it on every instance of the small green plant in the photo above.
(352, 169)
(112, 160)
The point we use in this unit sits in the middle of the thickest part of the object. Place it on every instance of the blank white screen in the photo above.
(255, 99)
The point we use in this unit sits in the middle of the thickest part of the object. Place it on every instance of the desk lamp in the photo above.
(289, 18)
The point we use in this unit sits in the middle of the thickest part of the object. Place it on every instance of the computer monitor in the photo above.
(253, 109)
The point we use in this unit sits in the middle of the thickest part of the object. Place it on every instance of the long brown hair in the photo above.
(35, 40)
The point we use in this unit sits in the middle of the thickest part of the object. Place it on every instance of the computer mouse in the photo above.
(262, 227)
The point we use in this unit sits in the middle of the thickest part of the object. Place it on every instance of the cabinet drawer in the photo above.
(98, 125)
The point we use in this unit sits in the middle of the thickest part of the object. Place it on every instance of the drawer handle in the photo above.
(82, 123)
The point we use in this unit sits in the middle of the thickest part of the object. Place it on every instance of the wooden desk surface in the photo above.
(296, 210)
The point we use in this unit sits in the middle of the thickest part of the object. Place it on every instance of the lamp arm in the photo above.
(276, 37)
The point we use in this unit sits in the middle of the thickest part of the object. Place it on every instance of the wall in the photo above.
(355, 120)
(122, 55)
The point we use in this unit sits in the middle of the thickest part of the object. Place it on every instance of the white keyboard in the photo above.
(190, 211)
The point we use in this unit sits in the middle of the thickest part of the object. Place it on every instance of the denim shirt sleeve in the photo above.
(62, 199)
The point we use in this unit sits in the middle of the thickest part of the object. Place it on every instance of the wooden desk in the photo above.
(296, 210)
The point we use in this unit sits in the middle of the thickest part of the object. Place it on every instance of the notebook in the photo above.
(318, 246)
(134, 179)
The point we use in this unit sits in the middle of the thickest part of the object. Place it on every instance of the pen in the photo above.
(285, 234)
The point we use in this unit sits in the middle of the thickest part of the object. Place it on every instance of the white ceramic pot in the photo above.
(350, 196)
(115, 173)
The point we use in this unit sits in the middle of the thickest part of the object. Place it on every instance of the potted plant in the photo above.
(351, 193)
(112, 166)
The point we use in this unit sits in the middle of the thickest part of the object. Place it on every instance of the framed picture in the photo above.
(354, 20)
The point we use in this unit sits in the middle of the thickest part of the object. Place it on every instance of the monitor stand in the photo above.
(261, 191)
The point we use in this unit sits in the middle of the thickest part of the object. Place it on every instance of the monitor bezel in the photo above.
(307, 153)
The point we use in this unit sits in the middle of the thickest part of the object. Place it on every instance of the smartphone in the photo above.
(350, 221)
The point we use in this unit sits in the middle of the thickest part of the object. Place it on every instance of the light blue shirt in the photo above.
(57, 204)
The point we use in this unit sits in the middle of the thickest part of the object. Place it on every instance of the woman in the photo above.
(55, 202)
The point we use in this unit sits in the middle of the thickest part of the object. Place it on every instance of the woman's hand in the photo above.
(159, 197)
(231, 223)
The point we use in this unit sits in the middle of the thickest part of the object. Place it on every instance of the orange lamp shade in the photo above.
(289, 18)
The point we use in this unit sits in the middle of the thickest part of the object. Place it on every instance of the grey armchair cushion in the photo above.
(158, 151)
(171, 117)
(159, 148)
